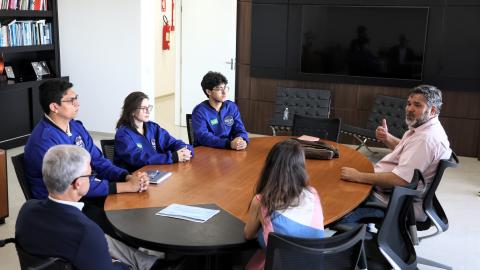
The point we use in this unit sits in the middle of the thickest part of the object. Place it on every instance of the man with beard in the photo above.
(421, 147)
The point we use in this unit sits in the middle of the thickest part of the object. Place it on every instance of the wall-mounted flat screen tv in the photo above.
(382, 42)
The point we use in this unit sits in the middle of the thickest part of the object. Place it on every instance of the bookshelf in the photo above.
(26, 36)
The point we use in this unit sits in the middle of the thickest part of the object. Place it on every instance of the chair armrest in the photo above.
(362, 132)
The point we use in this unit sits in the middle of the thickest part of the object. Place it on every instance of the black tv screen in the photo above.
(382, 42)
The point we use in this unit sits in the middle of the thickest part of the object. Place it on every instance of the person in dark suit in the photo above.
(57, 227)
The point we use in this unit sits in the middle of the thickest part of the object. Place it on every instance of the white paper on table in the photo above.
(186, 212)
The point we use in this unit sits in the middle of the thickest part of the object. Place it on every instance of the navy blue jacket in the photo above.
(217, 129)
(47, 228)
(133, 150)
(45, 135)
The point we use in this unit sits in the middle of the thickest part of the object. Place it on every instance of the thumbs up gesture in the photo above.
(382, 131)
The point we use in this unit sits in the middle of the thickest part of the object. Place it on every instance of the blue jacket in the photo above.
(217, 129)
(47, 228)
(45, 135)
(133, 150)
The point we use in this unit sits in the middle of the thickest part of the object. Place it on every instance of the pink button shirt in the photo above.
(420, 148)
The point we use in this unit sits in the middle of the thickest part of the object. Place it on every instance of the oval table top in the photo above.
(227, 178)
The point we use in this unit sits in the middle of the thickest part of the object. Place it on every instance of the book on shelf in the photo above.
(36, 5)
(26, 33)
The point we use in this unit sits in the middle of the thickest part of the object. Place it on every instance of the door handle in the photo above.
(230, 63)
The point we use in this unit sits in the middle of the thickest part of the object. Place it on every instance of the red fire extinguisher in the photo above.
(166, 34)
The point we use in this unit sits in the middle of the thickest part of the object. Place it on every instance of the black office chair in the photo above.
(20, 172)
(307, 102)
(394, 236)
(435, 213)
(108, 148)
(341, 251)
(392, 246)
(31, 262)
(324, 128)
(390, 108)
(190, 131)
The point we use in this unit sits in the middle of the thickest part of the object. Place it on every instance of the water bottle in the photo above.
(285, 114)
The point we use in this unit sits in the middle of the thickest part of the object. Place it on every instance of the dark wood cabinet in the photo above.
(19, 107)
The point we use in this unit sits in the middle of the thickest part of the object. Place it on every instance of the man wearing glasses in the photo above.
(56, 227)
(217, 121)
(60, 104)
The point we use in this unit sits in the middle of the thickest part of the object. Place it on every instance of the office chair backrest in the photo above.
(307, 102)
(20, 172)
(393, 110)
(324, 128)
(394, 239)
(108, 148)
(336, 252)
(431, 205)
(190, 131)
(31, 262)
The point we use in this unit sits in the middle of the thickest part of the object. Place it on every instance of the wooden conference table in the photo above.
(227, 179)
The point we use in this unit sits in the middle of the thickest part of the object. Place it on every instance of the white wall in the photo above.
(106, 48)
(165, 68)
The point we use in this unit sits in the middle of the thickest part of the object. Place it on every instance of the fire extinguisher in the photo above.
(166, 34)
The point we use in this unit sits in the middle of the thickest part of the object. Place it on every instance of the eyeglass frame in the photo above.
(72, 100)
(145, 108)
(91, 177)
(220, 89)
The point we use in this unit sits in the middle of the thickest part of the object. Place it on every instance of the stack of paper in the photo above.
(192, 213)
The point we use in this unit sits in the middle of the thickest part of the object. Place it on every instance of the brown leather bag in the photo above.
(318, 150)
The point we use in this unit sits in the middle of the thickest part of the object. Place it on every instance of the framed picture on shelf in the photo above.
(40, 68)
(37, 69)
(9, 72)
(44, 67)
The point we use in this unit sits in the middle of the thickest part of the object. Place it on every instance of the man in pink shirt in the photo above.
(421, 147)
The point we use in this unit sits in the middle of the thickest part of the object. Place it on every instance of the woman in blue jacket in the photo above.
(140, 142)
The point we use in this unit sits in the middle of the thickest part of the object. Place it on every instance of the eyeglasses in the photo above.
(148, 108)
(73, 100)
(91, 177)
(221, 89)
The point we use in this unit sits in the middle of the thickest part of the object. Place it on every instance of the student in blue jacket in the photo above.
(216, 122)
(140, 142)
(60, 105)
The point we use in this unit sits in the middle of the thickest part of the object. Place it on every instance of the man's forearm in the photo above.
(392, 142)
(388, 179)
